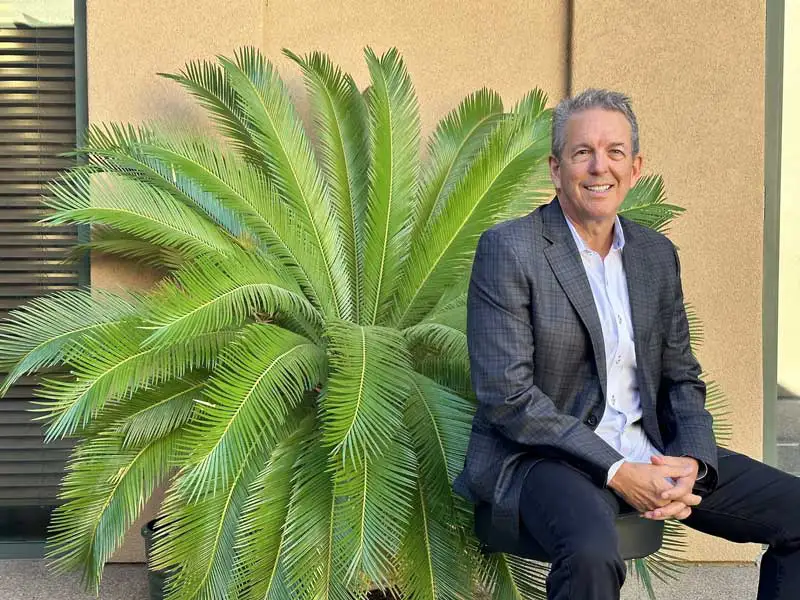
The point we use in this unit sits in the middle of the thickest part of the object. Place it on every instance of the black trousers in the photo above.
(573, 520)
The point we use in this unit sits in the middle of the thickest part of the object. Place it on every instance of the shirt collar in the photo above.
(617, 244)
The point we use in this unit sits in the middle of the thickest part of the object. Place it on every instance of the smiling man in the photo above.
(590, 400)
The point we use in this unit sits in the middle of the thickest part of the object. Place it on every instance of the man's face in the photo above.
(597, 166)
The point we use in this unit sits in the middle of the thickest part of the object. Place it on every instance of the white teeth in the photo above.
(598, 188)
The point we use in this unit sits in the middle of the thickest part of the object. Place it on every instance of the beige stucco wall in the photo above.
(450, 48)
(789, 287)
(128, 42)
(695, 71)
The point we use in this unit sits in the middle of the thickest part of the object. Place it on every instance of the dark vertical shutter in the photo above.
(37, 123)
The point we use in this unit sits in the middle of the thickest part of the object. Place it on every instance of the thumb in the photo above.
(657, 460)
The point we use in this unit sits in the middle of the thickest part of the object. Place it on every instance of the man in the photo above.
(590, 401)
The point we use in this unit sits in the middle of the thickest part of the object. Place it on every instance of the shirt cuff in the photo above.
(702, 468)
(613, 470)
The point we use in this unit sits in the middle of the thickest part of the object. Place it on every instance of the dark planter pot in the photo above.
(379, 595)
(155, 579)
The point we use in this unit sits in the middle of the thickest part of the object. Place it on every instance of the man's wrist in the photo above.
(613, 471)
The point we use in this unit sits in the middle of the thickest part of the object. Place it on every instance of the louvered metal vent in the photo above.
(37, 122)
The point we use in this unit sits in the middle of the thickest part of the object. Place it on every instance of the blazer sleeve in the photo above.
(501, 348)
(685, 393)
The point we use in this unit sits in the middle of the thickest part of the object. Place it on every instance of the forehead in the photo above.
(598, 126)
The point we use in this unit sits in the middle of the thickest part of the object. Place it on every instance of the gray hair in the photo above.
(592, 98)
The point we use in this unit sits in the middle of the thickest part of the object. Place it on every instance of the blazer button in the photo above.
(591, 420)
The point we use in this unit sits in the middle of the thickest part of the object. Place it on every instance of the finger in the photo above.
(683, 487)
(684, 514)
(675, 461)
(665, 512)
(691, 500)
(674, 471)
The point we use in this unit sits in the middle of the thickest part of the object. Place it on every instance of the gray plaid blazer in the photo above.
(538, 361)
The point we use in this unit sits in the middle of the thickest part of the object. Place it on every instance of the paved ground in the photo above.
(703, 583)
(29, 580)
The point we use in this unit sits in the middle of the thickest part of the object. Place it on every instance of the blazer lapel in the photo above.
(569, 271)
(643, 302)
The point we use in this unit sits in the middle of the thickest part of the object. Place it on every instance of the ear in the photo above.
(555, 172)
(636, 169)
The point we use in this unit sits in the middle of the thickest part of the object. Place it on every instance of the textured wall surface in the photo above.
(789, 311)
(450, 48)
(695, 71)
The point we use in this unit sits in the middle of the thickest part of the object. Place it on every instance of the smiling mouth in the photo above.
(598, 188)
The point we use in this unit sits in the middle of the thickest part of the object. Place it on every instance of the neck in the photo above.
(598, 235)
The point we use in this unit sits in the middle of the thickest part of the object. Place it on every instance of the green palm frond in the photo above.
(212, 295)
(368, 380)
(259, 380)
(434, 565)
(135, 208)
(696, 329)
(210, 85)
(38, 334)
(646, 204)
(110, 364)
(372, 512)
(293, 166)
(340, 116)
(639, 569)
(439, 423)
(508, 577)
(153, 413)
(454, 298)
(451, 150)
(105, 489)
(666, 564)
(442, 257)
(440, 352)
(719, 407)
(108, 241)
(313, 568)
(112, 148)
(261, 538)
(536, 187)
(195, 538)
(244, 191)
(532, 106)
(394, 129)
(441, 338)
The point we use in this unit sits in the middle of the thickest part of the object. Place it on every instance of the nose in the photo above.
(598, 163)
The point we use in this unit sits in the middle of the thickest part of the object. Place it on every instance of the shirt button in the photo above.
(619, 319)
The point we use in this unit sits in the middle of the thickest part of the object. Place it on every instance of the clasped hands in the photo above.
(646, 487)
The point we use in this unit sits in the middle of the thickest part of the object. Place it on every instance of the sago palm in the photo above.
(298, 379)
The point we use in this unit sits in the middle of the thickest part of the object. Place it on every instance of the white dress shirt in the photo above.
(620, 426)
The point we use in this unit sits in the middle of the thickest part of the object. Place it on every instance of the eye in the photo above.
(581, 153)
(617, 152)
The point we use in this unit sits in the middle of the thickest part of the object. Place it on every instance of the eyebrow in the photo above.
(585, 145)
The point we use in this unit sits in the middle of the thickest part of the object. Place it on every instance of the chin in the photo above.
(602, 213)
